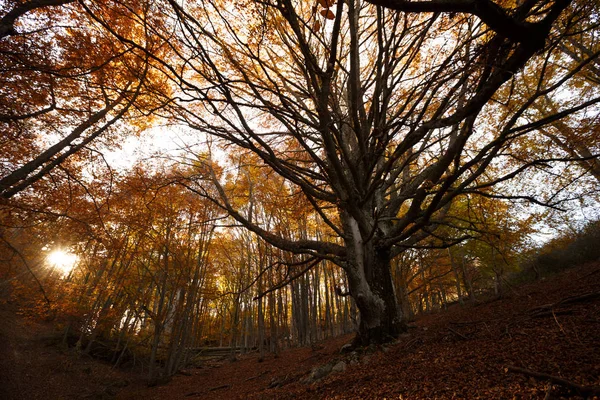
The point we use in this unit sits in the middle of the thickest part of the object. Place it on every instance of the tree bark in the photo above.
(456, 278)
(371, 286)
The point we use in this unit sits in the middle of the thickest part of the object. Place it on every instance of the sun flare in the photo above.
(62, 261)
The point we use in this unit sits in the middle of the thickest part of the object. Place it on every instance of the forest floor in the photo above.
(474, 351)
(34, 365)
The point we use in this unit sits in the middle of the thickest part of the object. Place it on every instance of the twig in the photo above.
(313, 356)
(579, 298)
(590, 274)
(506, 333)
(488, 329)
(466, 323)
(411, 343)
(552, 313)
(458, 333)
(258, 376)
(583, 391)
(559, 325)
(548, 395)
(219, 387)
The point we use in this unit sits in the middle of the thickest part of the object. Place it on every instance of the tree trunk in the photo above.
(261, 323)
(467, 280)
(273, 321)
(443, 297)
(371, 286)
(314, 307)
(456, 278)
(233, 340)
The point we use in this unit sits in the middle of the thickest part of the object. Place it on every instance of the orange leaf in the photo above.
(326, 3)
(327, 14)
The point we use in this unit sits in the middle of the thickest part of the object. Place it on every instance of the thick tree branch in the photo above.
(489, 12)
(7, 23)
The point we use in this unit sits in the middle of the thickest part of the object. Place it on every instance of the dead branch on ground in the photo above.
(258, 376)
(583, 391)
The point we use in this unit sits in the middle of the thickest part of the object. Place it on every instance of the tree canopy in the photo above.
(377, 123)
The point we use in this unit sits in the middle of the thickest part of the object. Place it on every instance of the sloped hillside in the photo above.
(488, 350)
(541, 341)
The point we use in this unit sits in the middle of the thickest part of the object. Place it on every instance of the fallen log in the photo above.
(567, 300)
(583, 391)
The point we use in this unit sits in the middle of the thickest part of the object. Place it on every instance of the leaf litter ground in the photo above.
(474, 351)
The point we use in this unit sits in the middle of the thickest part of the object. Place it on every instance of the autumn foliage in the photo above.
(340, 166)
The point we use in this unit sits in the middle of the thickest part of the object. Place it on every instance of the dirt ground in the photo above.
(33, 364)
(467, 352)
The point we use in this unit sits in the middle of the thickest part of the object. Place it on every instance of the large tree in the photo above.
(380, 118)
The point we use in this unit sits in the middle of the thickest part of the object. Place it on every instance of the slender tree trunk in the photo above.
(456, 278)
(467, 280)
(315, 305)
(261, 323)
(158, 314)
(272, 317)
(158, 329)
(234, 328)
(443, 297)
